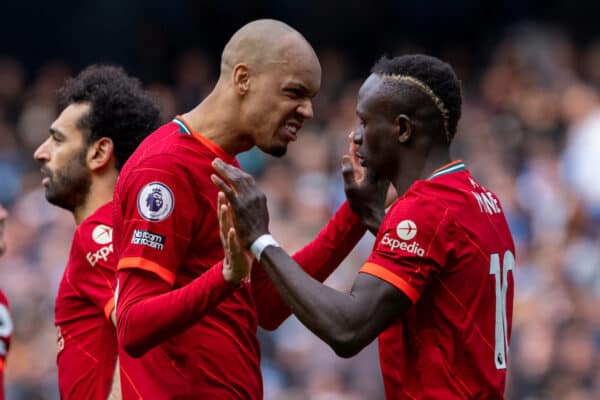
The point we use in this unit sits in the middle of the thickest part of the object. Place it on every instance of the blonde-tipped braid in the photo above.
(427, 90)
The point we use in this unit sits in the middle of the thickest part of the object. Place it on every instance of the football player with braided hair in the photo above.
(437, 288)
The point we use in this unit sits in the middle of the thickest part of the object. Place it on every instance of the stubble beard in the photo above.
(278, 150)
(69, 188)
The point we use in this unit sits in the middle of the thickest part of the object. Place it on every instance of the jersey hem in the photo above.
(147, 265)
(384, 274)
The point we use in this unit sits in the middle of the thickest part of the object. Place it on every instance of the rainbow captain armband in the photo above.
(262, 242)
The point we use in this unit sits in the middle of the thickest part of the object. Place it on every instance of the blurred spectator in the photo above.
(193, 78)
(581, 157)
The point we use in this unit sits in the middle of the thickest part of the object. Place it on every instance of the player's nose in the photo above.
(357, 137)
(306, 109)
(42, 153)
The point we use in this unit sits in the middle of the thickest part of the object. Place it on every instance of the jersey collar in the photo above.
(212, 146)
(454, 166)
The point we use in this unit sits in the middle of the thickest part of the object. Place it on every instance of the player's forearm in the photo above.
(318, 259)
(331, 315)
(148, 312)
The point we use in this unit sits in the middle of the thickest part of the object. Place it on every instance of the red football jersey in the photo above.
(447, 246)
(166, 222)
(87, 341)
(6, 328)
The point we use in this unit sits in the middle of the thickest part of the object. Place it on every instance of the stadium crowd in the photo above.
(530, 131)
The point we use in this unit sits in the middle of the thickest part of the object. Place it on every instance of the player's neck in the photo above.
(100, 193)
(419, 166)
(212, 119)
(436, 158)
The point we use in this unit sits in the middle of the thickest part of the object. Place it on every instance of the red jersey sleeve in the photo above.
(159, 216)
(162, 208)
(95, 282)
(319, 259)
(149, 313)
(6, 328)
(410, 248)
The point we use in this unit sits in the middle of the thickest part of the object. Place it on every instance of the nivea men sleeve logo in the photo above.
(147, 238)
(155, 201)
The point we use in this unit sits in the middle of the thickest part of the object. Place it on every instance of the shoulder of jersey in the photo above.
(96, 241)
(154, 144)
(97, 229)
(417, 214)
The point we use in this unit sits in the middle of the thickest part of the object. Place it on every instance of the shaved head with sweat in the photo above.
(269, 75)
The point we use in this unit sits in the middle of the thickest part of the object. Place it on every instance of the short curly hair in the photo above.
(119, 108)
(429, 73)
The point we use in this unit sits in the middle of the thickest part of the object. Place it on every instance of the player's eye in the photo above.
(294, 93)
(57, 137)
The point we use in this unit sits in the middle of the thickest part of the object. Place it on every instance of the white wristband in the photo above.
(258, 246)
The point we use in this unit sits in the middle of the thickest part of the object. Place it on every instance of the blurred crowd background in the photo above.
(530, 131)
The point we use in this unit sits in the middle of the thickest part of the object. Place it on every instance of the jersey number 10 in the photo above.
(501, 278)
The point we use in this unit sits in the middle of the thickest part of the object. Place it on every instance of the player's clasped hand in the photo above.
(248, 203)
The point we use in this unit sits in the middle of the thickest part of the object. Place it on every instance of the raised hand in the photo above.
(248, 202)
(366, 198)
(238, 261)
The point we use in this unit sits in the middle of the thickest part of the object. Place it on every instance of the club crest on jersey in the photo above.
(155, 202)
(406, 230)
(102, 234)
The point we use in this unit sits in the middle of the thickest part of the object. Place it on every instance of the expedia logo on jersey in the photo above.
(101, 254)
(395, 244)
(147, 238)
(102, 234)
(405, 230)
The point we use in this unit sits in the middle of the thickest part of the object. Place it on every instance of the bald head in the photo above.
(269, 75)
(262, 43)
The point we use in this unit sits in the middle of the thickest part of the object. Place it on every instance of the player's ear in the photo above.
(404, 127)
(241, 78)
(100, 153)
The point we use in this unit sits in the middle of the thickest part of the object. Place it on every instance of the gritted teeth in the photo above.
(293, 127)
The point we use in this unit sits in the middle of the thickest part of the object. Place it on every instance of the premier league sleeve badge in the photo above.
(155, 202)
